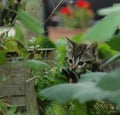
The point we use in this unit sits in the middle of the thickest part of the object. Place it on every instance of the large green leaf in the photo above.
(36, 65)
(93, 77)
(87, 89)
(30, 22)
(111, 81)
(104, 29)
(81, 91)
(61, 93)
(114, 43)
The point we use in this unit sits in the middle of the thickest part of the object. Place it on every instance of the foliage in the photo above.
(105, 51)
(44, 76)
(96, 85)
(91, 86)
(2, 54)
(5, 111)
(108, 28)
(44, 42)
(15, 42)
(36, 65)
(60, 51)
(30, 22)
(42, 73)
(73, 107)
(14, 45)
(55, 109)
(114, 42)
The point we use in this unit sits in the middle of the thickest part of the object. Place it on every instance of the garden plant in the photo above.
(65, 98)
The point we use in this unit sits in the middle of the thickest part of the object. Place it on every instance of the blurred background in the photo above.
(48, 11)
(58, 18)
(49, 5)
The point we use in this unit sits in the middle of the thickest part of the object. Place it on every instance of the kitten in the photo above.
(80, 57)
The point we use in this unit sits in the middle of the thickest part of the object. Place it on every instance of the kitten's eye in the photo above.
(70, 60)
(81, 63)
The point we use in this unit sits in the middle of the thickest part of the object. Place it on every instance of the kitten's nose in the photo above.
(73, 67)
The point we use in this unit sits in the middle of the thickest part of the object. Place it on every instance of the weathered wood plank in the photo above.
(14, 79)
(13, 72)
(31, 101)
(12, 67)
(12, 90)
(14, 87)
(16, 100)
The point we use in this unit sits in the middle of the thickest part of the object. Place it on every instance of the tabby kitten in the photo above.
(81, 57)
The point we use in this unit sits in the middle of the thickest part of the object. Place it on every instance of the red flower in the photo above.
(66, 10)
(83, 4)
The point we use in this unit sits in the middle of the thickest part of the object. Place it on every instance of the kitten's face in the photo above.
(80, 56)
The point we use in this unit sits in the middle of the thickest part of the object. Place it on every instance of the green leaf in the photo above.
(78, 108)
(36, 65)
(115, 98)
(2, 54)
(44, 42)
(106, 11)
(61, 93)
(89, 92)
(104, 29)
(21, 49)
(78, 38)
(15, 45)
(55, 109)
(111, 81)
(30, 22)
(19, 31)
(93, 77)
(105, 51)
(87, 89)
(11, 46)
(115, 42)
(81, 91)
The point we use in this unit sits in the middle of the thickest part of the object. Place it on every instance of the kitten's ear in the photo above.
(70, 43)
(93, 48)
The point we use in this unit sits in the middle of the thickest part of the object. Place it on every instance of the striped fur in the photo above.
(80, 56)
